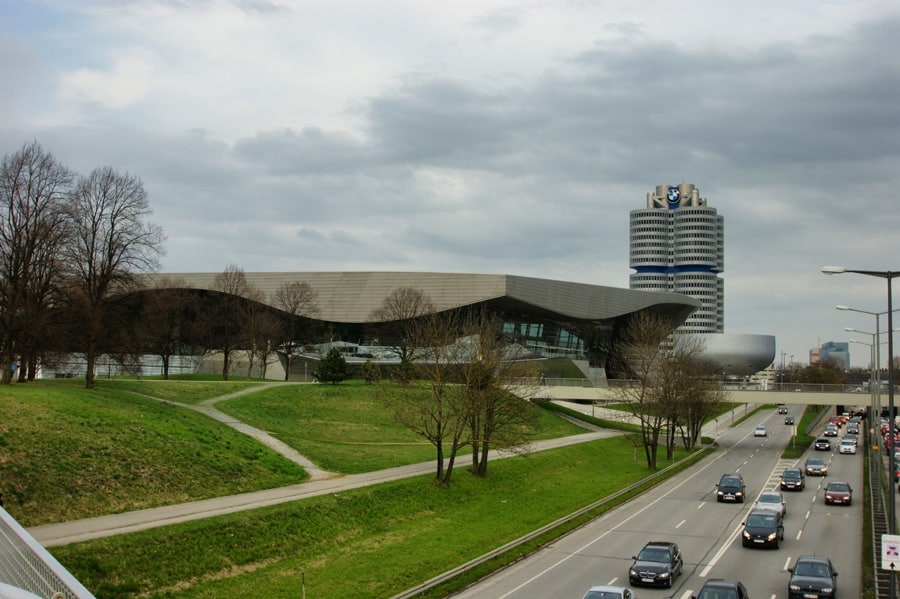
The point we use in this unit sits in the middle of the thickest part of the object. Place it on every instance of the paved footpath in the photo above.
(321, 482)
(324, 482)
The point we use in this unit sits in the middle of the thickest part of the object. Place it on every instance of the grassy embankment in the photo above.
(69, 453)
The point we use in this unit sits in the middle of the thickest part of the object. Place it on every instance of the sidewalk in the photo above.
(50, 535)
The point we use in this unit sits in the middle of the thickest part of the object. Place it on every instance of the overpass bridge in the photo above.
(789, 394)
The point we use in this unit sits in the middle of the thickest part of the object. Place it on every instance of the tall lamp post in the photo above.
(873, 398)
(888, 275)
(874, 357)
(876, 342)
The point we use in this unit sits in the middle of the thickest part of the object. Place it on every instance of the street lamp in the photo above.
(877, 341)
(888, 275)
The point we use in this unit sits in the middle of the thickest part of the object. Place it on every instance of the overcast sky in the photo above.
(485, 136)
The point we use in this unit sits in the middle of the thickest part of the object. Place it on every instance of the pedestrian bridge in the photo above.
(805, 394)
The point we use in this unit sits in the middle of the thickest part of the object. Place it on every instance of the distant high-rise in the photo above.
(678, 245)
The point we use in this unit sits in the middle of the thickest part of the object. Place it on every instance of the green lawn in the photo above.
(69, 453)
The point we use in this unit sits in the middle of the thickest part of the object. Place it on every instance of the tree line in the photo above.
(69, 244)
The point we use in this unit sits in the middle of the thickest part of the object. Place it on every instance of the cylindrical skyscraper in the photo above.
(677, 245)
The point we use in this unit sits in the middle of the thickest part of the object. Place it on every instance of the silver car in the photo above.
(771, 500)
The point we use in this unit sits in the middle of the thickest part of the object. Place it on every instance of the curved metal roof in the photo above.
(352, 296)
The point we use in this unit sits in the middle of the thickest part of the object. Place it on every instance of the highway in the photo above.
(684, 510)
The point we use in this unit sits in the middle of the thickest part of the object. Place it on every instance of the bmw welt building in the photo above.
(548, 318)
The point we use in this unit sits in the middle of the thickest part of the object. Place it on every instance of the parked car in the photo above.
(657, 564)
(760, 431)
(763, 528)
(714, 588)
(816, 467)
(792, 479)
(606, 591)
(823, 444)
(812, 576)
(730, 488)
(771, 500)
(789, 420)
(847, 446)
(838, 492)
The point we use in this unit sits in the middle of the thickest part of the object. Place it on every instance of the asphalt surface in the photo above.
(321, 482)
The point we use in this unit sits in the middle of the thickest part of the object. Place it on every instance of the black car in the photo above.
(763, 528)
(657, 564)
(782, 409)
(789, 420)
(730, 488)
(823, 444)
(812, 576)
(793, 479)
(714, 588)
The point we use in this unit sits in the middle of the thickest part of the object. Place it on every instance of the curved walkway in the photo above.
(321, 482)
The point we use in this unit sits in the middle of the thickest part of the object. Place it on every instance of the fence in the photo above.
(26, 565)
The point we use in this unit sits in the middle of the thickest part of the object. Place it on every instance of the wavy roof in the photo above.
(351, 296)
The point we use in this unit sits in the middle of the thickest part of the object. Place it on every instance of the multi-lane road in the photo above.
(684, 510)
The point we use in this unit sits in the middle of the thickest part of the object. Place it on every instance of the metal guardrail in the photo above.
(448, 575)
(25, 564)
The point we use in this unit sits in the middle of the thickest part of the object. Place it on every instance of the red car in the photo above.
(837, 492)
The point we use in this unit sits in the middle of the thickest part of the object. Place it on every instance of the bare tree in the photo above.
(689, 391)
(261, 329)
(299, 300)
(644, 351)
(33, 186)
(498, 386)
(229, 326)
(673, 390)
(110, 241)
(168, 318)
(435, 405)
(397, 316)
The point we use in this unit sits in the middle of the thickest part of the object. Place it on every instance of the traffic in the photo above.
(757, 538)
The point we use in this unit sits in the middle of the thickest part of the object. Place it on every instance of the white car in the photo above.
(771, 500)
(760, 431)
(605, 591)
(847, 446)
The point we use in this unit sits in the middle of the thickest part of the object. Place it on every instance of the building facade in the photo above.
(837, 353)
(677, 245)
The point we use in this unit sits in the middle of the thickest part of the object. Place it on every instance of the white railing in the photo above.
(26, 565)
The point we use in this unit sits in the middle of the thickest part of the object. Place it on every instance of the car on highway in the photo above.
(816, 467)
(823, 444)
(852, 428)
(720, 588)
(658, 563)
(730, 488)
(789, 420)
(760, 431)
(847, 446)
(812, 576)
(831, 430)
(771, 500)
(607, 591)
(838, 493)
(782, 409)
(792, 479)
(763, 528)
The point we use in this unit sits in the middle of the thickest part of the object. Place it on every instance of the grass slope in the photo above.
(69, 453)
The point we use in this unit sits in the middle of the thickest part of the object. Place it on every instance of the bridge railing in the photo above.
(26, 565)
(728, 385)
